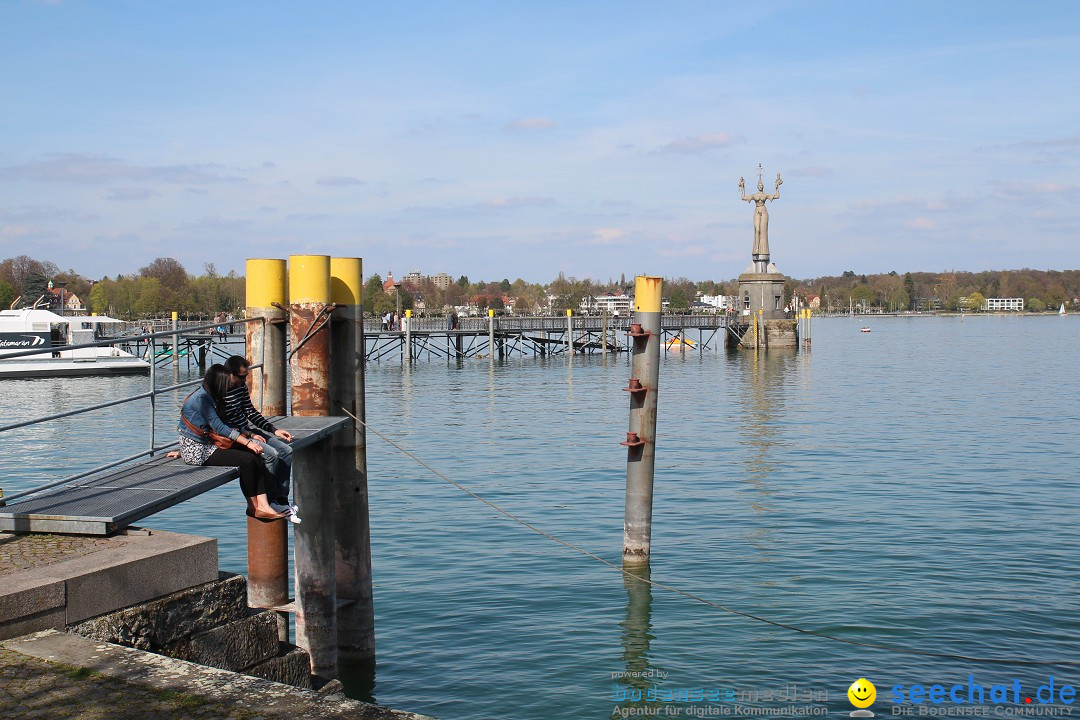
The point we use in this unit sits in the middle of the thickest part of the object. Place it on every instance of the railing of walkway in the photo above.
(152, 394)
(551, 323)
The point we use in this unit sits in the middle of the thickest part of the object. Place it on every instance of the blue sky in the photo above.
(500, 139)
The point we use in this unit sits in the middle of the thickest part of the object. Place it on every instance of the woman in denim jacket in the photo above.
(199, 415)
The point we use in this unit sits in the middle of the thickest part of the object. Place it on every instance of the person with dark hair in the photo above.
(241, 414)
(200, 419)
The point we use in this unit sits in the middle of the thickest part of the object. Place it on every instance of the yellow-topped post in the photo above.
(175, 345)
(268, 542)
(408, 334)
(356, 620)
(570, 333)
(641, 435)
(316, 584)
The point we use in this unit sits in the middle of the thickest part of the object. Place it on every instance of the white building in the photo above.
(999, 304)
(609, 303)
(722, 303)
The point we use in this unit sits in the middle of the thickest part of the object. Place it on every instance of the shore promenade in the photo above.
(51, 674)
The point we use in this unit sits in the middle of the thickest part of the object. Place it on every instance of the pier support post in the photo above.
(641, 437)
(268, 543)
(603, 334)
(356, 621)
(408, 335)
(316, 583)
(491, 335)
(570, 332)
(175, 346)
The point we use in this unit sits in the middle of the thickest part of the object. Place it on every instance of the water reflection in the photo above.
(632, 691)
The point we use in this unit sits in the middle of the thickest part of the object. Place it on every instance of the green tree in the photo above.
(373, 290)
(99, 298)
(678, 301)
(975, 301)
(463, 282)
(7, 294)
(1035, 305)
(505, 285)
(497, 304)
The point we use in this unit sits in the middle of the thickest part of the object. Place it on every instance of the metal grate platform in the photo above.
(111, 500)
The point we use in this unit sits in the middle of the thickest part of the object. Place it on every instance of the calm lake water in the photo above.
(915, 486)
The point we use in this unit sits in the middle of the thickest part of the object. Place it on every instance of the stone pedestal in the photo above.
(762, 291)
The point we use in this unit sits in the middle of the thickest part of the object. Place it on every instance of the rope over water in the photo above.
(704, 601)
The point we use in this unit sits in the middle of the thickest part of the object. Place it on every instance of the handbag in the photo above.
(221, 442)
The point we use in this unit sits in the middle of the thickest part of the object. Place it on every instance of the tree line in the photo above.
(161, 287)
(165, 285)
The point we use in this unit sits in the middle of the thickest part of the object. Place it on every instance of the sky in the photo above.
(517, 139)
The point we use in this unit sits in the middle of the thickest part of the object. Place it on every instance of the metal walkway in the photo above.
(113, 499)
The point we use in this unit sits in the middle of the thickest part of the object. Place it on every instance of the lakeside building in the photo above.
(1000, 304)
(442, 280)
(723, 303)
(610, 303)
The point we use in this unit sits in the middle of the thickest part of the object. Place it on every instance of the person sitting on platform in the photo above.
(241, 414)
(200, 418)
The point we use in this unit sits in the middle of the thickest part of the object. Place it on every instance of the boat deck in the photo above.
(111, 500)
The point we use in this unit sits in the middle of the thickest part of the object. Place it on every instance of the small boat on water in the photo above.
(865, 329)
(1061, 310)
(30, 329)
(678, 344)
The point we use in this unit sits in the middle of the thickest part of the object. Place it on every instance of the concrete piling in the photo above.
(356, 620)
(641, 436)
(316, 583)
(268, 542)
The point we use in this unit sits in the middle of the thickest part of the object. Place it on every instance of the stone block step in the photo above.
(291, 666)
(231, 646)
(173, 618)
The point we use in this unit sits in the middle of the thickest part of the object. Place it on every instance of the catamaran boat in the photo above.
(29, 329)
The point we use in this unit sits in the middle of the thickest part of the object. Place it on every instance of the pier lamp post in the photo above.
(63, 299)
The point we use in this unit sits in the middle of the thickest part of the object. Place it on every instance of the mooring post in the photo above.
(408, 334)
(641, 437)
(175, 345)
(603, 333)
(570, 332)
(268, 542)
(356, 620)
(491, 335)
(316, 584)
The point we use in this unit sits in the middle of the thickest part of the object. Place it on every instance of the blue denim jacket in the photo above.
(200, 411)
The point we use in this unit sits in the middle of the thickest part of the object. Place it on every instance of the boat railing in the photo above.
(152, 394)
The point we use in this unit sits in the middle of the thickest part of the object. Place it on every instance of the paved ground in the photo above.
(32, 689)
(23, 552)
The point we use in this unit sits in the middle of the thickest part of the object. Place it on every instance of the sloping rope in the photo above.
(705, 601)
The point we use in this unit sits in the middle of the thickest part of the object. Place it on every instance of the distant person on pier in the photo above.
(241, 414)
(199, 418)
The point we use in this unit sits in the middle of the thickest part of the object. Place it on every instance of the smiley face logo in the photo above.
(862, 693)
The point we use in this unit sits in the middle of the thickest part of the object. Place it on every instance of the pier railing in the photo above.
(152, 339)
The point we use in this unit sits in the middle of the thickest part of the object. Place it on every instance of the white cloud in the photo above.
(698, 144)
(122, 194)
(92, 168)
(532, 123)
(339, 181)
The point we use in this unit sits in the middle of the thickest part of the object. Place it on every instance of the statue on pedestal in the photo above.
(761, 214)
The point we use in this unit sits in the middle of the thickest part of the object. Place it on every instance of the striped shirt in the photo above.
(241, 414)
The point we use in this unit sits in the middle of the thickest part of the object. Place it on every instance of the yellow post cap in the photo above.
(569, 312)
(648, 293)
(347, 281)
(408, 313)
(175, 315)
(309, 278)
(491, 313)
(265, 282)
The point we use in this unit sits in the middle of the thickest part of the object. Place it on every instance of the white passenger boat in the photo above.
(27, 329)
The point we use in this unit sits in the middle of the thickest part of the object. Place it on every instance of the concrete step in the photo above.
(261, 698)
(172, 619)
(49, 586)
(291, 666)
(231, 646)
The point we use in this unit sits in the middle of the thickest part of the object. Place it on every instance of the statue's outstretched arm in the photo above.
(779, 182)
(742, 189)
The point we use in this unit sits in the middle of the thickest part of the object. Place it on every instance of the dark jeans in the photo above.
(253, 472)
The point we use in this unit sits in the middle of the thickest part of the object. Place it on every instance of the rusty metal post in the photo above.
(356, 620)
(641, 437)
(316, 585)
(268, 542)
